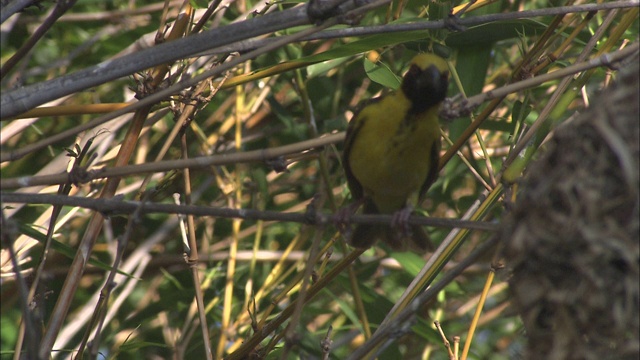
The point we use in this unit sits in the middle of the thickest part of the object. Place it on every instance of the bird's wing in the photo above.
(356, 123)
(433, 169)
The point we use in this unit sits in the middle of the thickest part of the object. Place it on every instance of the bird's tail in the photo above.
(365, 235)
(419, 240)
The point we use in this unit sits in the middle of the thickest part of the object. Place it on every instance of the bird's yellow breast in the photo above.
(390, 156)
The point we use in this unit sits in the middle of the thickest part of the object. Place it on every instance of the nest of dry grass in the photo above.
(572, 241)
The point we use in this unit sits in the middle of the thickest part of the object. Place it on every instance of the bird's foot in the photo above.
(400, 221)
(342, 218)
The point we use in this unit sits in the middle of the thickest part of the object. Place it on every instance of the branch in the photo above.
(403, 319)
(115, 206)
(26, 98)
(168, 165)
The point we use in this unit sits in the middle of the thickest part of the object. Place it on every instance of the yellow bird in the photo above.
(391, 153)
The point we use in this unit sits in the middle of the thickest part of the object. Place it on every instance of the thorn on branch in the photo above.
(321, 10)
(497, 265)
(452, 22)
(278, 164)
(455, 107)
(326, 343)
(80, 175)
(310, 214)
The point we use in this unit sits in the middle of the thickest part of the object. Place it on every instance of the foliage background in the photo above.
(250, 271)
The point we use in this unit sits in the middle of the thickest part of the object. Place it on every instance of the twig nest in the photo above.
(572, 240)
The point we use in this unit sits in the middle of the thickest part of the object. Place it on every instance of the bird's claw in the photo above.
(400, 221)
(342, 218)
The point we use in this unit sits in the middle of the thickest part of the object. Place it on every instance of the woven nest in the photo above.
(572, 241)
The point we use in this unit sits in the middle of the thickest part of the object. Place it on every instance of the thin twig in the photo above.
(7, 236)
(405, 315)
(60, 8)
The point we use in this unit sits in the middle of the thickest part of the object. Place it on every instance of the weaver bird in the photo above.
(391, 154)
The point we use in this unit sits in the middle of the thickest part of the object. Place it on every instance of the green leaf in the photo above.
(323, 67)
(424, 329)
(359, 46)
(381, 75)
(471, 65)
(137, 345)
(172, 279)
(410, 261)
(346, 307)
(493, 32)
(199, 4)
(64, 249)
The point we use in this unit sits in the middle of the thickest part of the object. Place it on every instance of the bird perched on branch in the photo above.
(391, 154)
